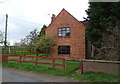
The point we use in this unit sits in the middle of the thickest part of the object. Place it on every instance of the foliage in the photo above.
(42, 32)
(45, 44)
(103, 28)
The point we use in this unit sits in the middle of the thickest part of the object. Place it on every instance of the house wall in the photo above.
(77, 35)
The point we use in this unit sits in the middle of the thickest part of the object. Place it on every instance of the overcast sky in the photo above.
(27, 15)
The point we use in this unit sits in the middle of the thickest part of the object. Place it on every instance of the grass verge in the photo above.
(46, 69)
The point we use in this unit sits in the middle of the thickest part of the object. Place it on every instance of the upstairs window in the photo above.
(63, 49)
(64, 32)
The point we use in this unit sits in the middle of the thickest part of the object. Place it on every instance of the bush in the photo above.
(45, 44)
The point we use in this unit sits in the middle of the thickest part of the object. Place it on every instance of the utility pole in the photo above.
(6, 32)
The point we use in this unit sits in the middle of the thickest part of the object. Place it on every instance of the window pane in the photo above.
(63, 28)
(67, 33)
(67, 28)
(63, 32)
(59, 34)
(63, 49)
(59, 29)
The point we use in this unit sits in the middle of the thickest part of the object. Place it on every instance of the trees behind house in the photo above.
(37, 41)
(103, 28)
(30, 40)
(45, 43)
(42, 32)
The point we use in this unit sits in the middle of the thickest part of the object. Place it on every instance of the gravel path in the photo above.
(12, 75)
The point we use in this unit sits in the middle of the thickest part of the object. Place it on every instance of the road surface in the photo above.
(12, 75)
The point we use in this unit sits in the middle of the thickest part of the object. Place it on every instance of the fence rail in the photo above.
(36, 60)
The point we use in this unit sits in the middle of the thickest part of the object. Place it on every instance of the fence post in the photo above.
(4, 58)
(23, 56)
(22, 51)
(81, 66)
(15, 52)
(53, 61)
(20, 59)
(64, 64)
(36, 59)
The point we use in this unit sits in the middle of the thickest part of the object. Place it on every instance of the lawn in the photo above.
(29, 54)
(18, 52)
(96, 77)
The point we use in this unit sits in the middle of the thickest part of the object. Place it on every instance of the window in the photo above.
(63, 49)
(63, 32)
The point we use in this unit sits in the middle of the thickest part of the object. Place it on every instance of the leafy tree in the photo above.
(45, 44)
(42, 32)
(103, 29)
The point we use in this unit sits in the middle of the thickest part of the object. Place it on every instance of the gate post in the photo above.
(81, 66)
(64, 64)
(20, 59)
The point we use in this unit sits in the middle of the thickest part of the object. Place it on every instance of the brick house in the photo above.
(69, 34)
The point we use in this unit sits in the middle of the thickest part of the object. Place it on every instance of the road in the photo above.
(12, 75)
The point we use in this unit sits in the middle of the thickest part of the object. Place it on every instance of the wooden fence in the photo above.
(21, 58)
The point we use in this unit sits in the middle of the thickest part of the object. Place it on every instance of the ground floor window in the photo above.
(63, 49)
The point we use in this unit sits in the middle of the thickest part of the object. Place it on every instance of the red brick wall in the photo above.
(77, 35)
(111, 67)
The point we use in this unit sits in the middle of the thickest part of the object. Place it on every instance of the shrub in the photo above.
(45, 44)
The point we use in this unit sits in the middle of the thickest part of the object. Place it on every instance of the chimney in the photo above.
(52, 18)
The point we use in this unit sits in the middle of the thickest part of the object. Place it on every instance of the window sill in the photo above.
(64, 37)
(64, 54)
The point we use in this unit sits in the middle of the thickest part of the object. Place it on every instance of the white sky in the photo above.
(26, 15)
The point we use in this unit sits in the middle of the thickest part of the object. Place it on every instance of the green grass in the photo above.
(12, 57)
(41, 68)
(70, 66)
(18, 52)
(96, 77)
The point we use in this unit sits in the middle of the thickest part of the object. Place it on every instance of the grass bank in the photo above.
(70, 66)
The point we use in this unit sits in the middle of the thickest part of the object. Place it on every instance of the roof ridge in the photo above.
(60, 13)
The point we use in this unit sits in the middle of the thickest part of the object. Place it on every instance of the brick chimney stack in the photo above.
(52, 18)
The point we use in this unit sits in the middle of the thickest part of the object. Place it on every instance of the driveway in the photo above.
(12, 75)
